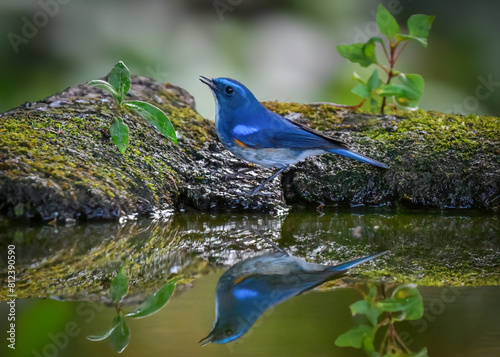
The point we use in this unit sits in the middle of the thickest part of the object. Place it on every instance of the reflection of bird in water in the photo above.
(252, 286)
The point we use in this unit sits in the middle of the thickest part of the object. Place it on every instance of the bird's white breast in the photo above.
(269, 157)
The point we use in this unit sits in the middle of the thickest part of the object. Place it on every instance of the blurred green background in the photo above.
(282, 50)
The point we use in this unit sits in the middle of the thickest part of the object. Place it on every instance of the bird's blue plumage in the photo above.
(242, 293)
(271, 130)
(252, 286)
(353, 263)
(253, 133)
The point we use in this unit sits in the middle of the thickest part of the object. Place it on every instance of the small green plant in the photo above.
(118, 85)
(382, 313)
(408, 91)
(119, 333)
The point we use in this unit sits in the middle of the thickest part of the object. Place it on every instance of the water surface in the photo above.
(71, 268)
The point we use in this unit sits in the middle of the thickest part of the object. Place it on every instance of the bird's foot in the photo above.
(257, 193)
(240, 172)
(251, 193)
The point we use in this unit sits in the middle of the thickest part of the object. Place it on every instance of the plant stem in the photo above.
(390, 75)
(383, 348)
(385, 51)
(406, 42)
(360, 290)
(383, 323)
(385, 69)
(401, 342)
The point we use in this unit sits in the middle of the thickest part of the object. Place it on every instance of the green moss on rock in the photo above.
(436, 160)
(57, 160)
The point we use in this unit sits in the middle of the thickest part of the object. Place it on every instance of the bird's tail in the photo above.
(359, 157)
(353, 263)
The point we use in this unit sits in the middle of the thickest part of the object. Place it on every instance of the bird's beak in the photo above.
(206, 340)
(209, 82)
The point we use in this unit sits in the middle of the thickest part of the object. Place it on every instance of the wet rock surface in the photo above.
(436, 161)
(57, 161)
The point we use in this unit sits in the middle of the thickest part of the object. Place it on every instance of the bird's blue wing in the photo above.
(353, 263)
(277, 288)
(270, 130)
(253, 136)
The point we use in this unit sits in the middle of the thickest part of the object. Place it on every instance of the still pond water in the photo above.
(64, 274)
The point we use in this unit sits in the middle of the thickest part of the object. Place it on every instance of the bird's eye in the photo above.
(229, 89)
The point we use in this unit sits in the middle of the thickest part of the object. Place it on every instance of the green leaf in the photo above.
(99, 83)
(373, 82)
(119, 78)
(119, 287)
(421, 353)
(154, 302)
(366, 307)
(389, 90)
(386, 23)
(102, 336)
(155, 117)
(365, 90)
(421, 40)
(356, 337)
(408, 92)
(356, 54)
(119, 134)
(120, 335)
(369, 48)
(358, 78)
(420, 25)
(362, 90)
(407, 299)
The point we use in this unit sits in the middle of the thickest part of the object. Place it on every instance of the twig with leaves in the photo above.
(118, 85)
(405, 304)
(409, 90)
(119, 333)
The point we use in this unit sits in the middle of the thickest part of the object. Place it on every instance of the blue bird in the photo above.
(255, 134)
(252, 286)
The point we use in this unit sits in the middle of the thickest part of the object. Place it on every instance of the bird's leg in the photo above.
(258, 188)
(238, 173)
(275, 246)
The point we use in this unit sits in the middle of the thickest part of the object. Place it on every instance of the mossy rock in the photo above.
(436, 160)
(57, 160)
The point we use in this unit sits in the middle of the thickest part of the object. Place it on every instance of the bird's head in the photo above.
(226, 330)
(236, 308)
(229, 93)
